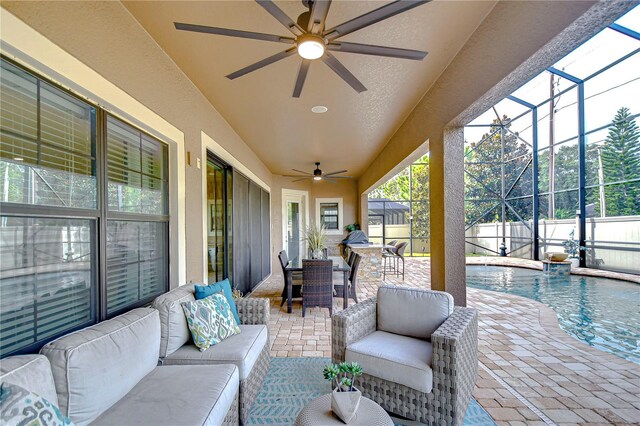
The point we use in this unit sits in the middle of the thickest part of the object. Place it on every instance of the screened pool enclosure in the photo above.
(553, 166)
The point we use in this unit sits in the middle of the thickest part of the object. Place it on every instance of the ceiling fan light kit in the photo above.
(310, 46)
(312, 41)
(317, 175)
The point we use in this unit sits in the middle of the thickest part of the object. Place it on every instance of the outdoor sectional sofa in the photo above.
(140, 368)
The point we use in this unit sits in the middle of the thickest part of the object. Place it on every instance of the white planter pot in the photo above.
(345, 404)
(575, 262)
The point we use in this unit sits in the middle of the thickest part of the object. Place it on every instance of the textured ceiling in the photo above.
(282, 130)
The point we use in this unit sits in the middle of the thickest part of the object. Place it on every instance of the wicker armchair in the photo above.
(454, 361)
(317, 284)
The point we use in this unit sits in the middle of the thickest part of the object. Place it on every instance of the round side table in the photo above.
(318, 413)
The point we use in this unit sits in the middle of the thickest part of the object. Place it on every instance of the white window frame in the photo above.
(339, 201)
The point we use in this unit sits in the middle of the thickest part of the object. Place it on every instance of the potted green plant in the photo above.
(572, 248)
(316, 239)
(352, 227)
(345, 397)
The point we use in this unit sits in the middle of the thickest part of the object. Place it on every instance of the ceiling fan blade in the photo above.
(262, 63)
(232, 33)
(295, 176)
(329, 180)
(343, 72)
(380, 14)
(282, 17)
(302, 75)
(298, 180)
(341, 177)
(335, 173)
(369, 49)
(319, 10)
(300, 171)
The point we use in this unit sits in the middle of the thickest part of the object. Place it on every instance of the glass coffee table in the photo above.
(318, 413)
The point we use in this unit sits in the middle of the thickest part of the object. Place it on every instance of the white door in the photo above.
(294, 215)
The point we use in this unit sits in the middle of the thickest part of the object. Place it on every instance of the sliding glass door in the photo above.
(218, 219)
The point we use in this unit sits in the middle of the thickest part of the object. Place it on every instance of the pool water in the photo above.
(601, 312)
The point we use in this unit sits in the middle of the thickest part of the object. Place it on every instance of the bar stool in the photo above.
(393, 256)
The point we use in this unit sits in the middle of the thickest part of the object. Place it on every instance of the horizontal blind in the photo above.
(47, 278)
(137, 254)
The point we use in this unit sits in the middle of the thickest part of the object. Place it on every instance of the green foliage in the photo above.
(352, 227)
(342, 376)
(571, 246)
(621, 163)
(484, 175)
(316, 237)
(411, 184)
(396, 188)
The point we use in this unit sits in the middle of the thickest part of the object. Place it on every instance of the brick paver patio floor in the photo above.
(531, 372)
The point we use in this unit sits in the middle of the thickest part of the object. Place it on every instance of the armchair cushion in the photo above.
(412, 312)
(242, 350)
(399, 359)
(177, 395)
(174, 331)
(32, 372)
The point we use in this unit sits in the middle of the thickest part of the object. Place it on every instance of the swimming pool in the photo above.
(601, 312)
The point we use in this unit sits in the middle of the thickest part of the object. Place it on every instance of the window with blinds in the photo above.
(50, 238)
(137, 220)
(329, 215)
(47, 261)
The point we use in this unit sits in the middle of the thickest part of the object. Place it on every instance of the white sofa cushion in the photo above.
(174, 331)
(31, 372)
(177, 395)
(398, 359)
(242, 350)
(95, 367)
(411, 311)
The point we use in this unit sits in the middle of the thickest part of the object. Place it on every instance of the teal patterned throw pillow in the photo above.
(19, 406)
(210, 320)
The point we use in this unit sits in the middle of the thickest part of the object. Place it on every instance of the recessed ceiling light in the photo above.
(18, 158)
(319, 109)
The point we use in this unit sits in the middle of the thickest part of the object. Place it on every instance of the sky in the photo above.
(604, 93)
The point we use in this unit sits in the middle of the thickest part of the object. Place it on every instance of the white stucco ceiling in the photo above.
(282, 130)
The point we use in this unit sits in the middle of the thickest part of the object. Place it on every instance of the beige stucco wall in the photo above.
(347, 189)
(106, 38)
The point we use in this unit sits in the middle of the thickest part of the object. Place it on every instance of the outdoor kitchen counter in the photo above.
(370, 268)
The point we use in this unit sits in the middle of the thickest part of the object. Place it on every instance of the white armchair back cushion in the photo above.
(32, 372)
(95, 367)
(174, 331)
(412, 312)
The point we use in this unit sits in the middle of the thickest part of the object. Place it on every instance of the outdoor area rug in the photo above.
(291, 383)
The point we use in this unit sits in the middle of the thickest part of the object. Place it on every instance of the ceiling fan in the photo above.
(312, 41)
(318, 175)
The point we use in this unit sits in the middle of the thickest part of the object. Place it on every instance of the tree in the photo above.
(621, 163)
(484, 176)
(396, 188)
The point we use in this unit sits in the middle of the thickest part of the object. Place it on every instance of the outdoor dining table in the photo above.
(339, 265)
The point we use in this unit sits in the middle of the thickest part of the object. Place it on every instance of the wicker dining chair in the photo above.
(317, 284)
(353, 278)
(296, 289)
